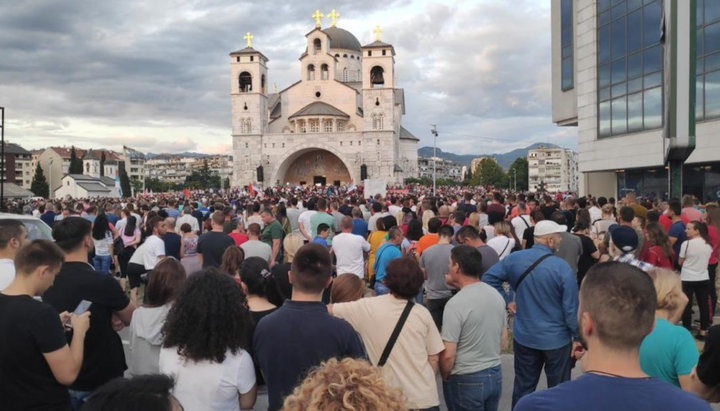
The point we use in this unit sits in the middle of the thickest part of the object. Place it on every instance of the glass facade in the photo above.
(700, 180)
(707, 103)
(566, 44)
(630, 66)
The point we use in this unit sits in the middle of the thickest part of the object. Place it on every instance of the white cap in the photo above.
(546, 227)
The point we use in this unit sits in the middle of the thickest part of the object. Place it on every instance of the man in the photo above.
(322, 216)
(570, 248)
(625, 217)
(546, 316)
(522, 221)
(387, 252)
(111, 213)
(434, 265)
(48, 216)
(337, 216)
(612, 333)
(473, 332)
(187, 217)
(104, 358)
(689, 210)
(676, 233)
(623, 243)
(350, 249)
(360, 227)
(172, 210)
(212, 245)
(272, 235)
(375, 214)
(595, 211)
(301, 333)
(431, 238)
(171, 239)
(253, 247)
(36, 362)
(304, 220)
(631, 201)
(293, 214)
(13, 236)
(468, 235)
(705, 378)
(147, 255)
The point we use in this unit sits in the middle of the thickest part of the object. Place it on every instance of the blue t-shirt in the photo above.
(593, 392)
(386, 252)
(320, 240)
(668, 351)
(360, 227)
(677, 230)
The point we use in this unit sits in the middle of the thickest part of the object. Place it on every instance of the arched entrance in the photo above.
(313, 166)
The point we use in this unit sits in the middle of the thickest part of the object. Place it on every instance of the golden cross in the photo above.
(248, 38)
(318, 18)
(377, 32)
(333, 17)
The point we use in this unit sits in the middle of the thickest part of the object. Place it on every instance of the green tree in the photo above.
(203, 178)
(137, 185)
(489, 172)
(39, 185)
(76, 165)
(125, 182)
(102, 164)
(518, 174)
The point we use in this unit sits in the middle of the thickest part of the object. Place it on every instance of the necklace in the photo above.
(609, 374)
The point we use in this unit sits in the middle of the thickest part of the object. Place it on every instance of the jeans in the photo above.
(436, 308)
(477, 391)
(529, 363)
(701, 290)
(381, 289)
(102, 263)
(77, 398)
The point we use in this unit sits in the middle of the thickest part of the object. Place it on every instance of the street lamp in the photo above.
(435, 134)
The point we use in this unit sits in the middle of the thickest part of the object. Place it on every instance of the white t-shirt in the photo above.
(349, 250)
(7, 272)
(304, 220)
(502, 245)
(519, 225)
(208, 385)
(154, 248)
(187, 218)
(595, 213)
(696, 253)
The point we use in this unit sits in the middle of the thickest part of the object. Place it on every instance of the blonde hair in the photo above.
(346, 385)
(668, 289)
(474, 220)
(504, 228)
(346, 288)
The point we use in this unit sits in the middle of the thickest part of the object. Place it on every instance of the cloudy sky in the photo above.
(154, 75)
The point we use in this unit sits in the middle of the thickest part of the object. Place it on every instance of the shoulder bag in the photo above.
(395, 333)
(529, 269)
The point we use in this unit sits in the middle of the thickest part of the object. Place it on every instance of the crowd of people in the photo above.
(328, 299)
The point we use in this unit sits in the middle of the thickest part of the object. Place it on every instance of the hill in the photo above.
(504, 159)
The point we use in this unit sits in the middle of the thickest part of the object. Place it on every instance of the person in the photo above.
(528, 238)
(272, 235)
(237, 232)
(350, 249)
(693, 258)
(360, 227)
(689, 209)
(433, 262)
(660, 252)
(253, 247)
(712, 217)
(431, 238)
(172, 240)
(146, 256)
(590, 253)
(669, 352)
(103, 241)
(470, 236)
(212, 244)
(546, 315)
(349, 383)
(293, 215)
(36, 362)
(188, 218)
(256, 280)
(705, 378)
(676, 233)
(140, 393)
(623, 244)
(232, 259)
(210, 373)
(387, 252)
(322, 234)
(188, 249)
(347, 287)
(48, 217)
(301, 333)
(111, 309)
(130, 236)
(148, 320)
(376, 239)
(473, 332)
(503, 241)
(603, 224)
(13, 235)
(413, 359)
(612, 333)
(304, 220)
(521, 221)
(570, 248)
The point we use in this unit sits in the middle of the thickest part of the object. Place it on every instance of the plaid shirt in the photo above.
(629, 258)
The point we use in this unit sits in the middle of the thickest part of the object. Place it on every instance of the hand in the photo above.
(577, 351)
(512, 307)
(272, 264)
(80, 323)
(116, 322)
(65, 317)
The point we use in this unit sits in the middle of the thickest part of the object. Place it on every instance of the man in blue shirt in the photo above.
(389, 250)
(546, 318)
(360, 227)
(617, 311)
(676, 233)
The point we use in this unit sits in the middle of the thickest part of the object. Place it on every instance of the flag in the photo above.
(352, 187)
(186, 193)
(251, 189)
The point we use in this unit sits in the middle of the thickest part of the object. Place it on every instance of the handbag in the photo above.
(118, 246)
(396, 332)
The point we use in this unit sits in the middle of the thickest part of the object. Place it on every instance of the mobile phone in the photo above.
(79, 310)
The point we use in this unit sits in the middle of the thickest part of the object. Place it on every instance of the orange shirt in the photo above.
(426, 241)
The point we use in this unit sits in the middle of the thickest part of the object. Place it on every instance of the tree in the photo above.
(102, 164)
(518, 173)
(39, 185)
(489, 172)
(203, 178)
(468, 175)
(125, 182)
(76, 165)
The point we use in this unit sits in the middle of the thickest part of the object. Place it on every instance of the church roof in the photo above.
(248, 50)
(407, 135)
(319, 108)
(91, 156)
(376, 43)
(94, 187)
(342, 39)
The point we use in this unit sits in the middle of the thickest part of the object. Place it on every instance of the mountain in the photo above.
(504, 159)
(184, 154)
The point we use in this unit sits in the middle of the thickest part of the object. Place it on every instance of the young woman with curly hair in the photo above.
(206, 342)
(347, 384)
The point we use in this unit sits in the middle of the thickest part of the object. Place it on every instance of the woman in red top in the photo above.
(660, 253)
(712, 216)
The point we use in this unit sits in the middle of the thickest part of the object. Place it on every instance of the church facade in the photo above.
(341, 122)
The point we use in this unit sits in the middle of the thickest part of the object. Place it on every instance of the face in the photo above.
(691, 231)
(266, 218)
(453, 270)
(161, 229)
(554, 242)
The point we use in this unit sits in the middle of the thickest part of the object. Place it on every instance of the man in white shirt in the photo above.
(595, 211)
(521, 222)
(13, 236)
(304, 224)
(188, 218)
(350, 250)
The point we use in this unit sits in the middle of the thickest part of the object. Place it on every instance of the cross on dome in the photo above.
(248, 39)
(377, 32)
(333, 17)
(318, 18)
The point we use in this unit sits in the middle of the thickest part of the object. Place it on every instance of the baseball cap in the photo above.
(625, 238)
(546, 227)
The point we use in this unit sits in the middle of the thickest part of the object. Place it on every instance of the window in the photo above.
(311, 72)
(377, 79)
(301, 126)
(707, 95)
(340, 125)
(262, 84)
(345, 74)
(314, 125)
(566, 44)
(324, 71)
(377, 121)
(328, 126)
(317, 46)
(246, 125)
(245, 81)
(629, 66)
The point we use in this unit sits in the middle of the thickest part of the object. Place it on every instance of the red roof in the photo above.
(64, 152)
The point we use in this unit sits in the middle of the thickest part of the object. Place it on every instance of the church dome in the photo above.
(342, 39)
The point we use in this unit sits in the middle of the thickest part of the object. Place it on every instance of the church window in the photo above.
(252, 58)
(273, 145)
(245, 82)
(350, 142)
(302, 128)
(341, 126)
(345, 74)
(246, 145)
(314, 125)
(317, 46)
(369, 53)
(381, 118)
(359, 142)
(311, 72)
(384, 52)
(324, 71)
(237, 59)
(87, 167)
(337, 55)
(283, 145)
(262, 84)
(328, 126)
(345, 55)
(341, 143)
(377, 78)
(378, 143)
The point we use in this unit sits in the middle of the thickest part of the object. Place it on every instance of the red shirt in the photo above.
(657, 257)
(239, 238)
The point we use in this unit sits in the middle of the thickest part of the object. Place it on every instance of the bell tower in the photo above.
(378, 83)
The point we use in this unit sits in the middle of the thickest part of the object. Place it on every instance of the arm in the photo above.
(447, 359)
(694, 385)
(65, 363)
(275, 250)
(125, 315)
(247, 400)
(570, 301)
(495, 276)
(303, 231)
(504, 338)
(434, 361)
(182, 247)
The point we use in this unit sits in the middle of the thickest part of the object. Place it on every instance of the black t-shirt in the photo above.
(586, 260)
(708, 367)
(103, 358)
(547, 210)
(212, 245)
(172, 244)
(529, 237)
(295, 338)
(29, 328)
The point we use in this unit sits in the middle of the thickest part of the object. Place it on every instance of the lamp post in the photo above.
(2, 158)
(435, 134)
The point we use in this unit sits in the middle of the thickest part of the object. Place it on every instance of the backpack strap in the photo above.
(395, 333)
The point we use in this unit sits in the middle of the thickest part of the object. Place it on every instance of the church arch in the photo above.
(377, 76)
(245, 82)
(309, 160)
(311, 72)
(324, 70)
(317, 46)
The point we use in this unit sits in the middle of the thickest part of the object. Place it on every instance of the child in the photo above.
(323, 231)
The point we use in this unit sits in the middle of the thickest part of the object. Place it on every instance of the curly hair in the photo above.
(209, 317)
(348, 384)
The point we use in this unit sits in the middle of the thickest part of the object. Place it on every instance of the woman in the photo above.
(414, 232)
(669, 352)
(503, 242)
(419, 342)
(602, 225)
(189, 256)
(346, 288)
(590, 253)
(528, 239)
(211, 373)
(130, 237)
(281, 217)
(149, 319)
(694, 257)
(376, 239)
(712, 216)
(256, 280)
(660, 253)
(103, 239)
(230, 263)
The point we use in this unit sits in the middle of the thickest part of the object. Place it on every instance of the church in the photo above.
(341, 122)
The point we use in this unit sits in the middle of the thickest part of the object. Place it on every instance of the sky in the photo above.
(155, 75)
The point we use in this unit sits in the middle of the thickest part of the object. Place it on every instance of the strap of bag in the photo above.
(529, 269)
(395, 333)
(524, 221)
(505, 248)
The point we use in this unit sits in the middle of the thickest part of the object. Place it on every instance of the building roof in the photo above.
(90, 155)
(12, 190)
(378, 44)
(248, 50)
(342, 39)
(12, 148)
(319, 108)
(94, 187)
(111, 162)
(407, 135)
